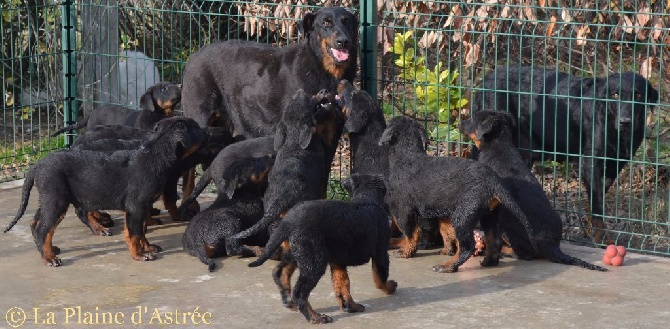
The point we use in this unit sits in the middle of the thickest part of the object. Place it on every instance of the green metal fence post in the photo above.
(68, 19)
(368, 29)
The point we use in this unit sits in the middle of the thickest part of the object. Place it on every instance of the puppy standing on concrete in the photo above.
(300, 171)
(125, 180)
(340, 233)
(451, 190)
(492, 132)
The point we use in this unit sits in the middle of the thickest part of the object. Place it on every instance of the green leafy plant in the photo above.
(433, 88)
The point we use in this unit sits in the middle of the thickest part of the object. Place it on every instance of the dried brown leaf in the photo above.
(581, 35)
(646, 67)
(429, 38)
(627, 24)
(472, 56)
(565, 15)
(550, 28)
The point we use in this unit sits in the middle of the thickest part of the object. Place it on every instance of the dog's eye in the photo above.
(164, 88)
(328, 23)
(615, 95)
(638, 96)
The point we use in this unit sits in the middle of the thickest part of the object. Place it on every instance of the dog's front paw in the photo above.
(352, 307)
(445, 269)
(54, 262)
(145, 257)
(390, 287)
(103, 232)
(320, 318)
(447, 251)
(151, 221)
(490, 261)
(402, 253)
(153, 248)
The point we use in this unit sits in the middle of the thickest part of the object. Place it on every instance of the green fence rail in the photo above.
(59, 60)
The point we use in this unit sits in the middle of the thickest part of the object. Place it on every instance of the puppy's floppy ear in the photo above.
(184, 138)
(387, 136)
(147, 100)
(484, 127)
(305, 137)
(230, 185)
(307, 24)
(359, 107)
(280, 135)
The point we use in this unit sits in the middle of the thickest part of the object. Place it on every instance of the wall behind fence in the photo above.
(423, 59)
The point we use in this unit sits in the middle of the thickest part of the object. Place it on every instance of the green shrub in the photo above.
(433, 88)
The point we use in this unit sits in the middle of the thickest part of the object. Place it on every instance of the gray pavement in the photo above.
(100, 286)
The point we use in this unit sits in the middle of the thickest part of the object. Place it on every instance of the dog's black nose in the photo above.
(342, 42)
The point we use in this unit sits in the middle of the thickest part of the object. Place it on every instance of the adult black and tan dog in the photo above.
(245, 85)
(125, 180)
(339, 233)
(156, 103)
(492, 132)
(598, 122)
(452, 190)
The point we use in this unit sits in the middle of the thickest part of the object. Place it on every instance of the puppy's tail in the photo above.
(28, 183)
(556, 255)
(274, 243)
(503, 195)
(76, 126)
(268, 218)
(199, 187)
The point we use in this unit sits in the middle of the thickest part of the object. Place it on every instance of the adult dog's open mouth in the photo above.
(340, 55)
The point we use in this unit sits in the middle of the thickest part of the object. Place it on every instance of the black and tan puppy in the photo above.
(451, 190)
(301, 167)
(156, 103)
(125, 180)
(318, 233)
(205, 235)
(236, 165)
(597, 122)
(492, 132)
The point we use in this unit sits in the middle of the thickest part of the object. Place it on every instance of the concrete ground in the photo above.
(99, 285)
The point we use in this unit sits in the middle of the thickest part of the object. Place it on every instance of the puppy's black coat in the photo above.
(492, 132)
(451, 190)
(206, 232)
(340, 233)
(300, 172)
(598, 122)
(236, 165)
(125, 180)
(156, 103)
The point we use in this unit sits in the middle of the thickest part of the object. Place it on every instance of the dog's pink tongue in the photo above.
(341, 54)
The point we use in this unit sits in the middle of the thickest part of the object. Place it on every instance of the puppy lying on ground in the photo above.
(125, 180)
(598, 122)
(301, 167)
(492, 133)
(318, 233)
(449, 190)
(206, 232)
(156, 103)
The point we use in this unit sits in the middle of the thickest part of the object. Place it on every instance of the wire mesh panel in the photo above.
(427, 60)
(30, 83)
(436, 54)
